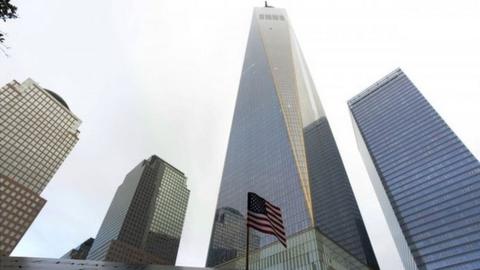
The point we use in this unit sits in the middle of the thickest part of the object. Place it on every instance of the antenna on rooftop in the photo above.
(267, 6)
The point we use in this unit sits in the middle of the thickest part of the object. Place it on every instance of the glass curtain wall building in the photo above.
(308, 249)
(281, 147)
(145, 220)
(427, 181)
(37, 132)
(80, 252)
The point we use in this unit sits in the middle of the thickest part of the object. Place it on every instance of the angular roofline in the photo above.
(386, 79)
(153, 157)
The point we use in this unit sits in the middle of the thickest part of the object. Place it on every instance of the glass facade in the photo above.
(431, 180)
(335, 210)
(277, 149)
(145, 219)
(37, 131)
(307, 250)
(80, 252)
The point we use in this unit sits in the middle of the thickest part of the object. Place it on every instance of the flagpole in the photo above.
(248, 244)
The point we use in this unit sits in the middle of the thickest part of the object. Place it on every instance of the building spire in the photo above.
(267, 6)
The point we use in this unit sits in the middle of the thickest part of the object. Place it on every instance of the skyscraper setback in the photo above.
(145, 219)
(282, 148)
(37, 131)
(427, 181)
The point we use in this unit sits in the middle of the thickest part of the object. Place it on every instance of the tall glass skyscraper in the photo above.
(37, 132)
(282, 148)
(145, 220)
(427, 181)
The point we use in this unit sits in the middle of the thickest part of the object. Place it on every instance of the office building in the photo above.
(229, 220)
(19, 207)
(80, 252)
(145, 219)
(282, 148)
(37, 132)
(427, 181)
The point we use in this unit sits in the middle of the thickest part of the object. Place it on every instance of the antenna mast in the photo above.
(267, 6)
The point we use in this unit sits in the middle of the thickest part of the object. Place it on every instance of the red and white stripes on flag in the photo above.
(265, 217)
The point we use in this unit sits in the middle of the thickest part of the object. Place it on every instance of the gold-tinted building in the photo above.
(37, 131)
(281, 147)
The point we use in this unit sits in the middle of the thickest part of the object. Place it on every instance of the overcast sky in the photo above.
(161, 77)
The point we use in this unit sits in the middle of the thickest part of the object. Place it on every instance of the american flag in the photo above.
(265, 217)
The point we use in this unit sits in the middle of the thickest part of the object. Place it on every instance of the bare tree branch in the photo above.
(7, 11)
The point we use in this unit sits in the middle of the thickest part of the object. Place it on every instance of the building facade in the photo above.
(19, 207)
(282, 148)
(427, 181)
(145, 219)
(306, 250)
(37, 132)
(80, 252)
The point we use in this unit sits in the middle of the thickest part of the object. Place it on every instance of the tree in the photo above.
(7, 11)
